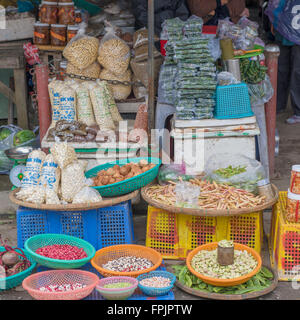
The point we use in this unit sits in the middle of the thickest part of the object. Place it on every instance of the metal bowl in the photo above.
(18, 153)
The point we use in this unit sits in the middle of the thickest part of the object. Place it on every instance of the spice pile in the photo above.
(205, 262)
(62, 252)
(156, 282)
(212, 196)
(128, 264)
(63, 287)
(118, 174)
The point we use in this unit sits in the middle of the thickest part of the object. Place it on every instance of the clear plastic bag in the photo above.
(226, 78)
(7, 133)
(260, 93)
(87, 195)
(187, 195)
(114, 53)
(251, 171)
(172, 172)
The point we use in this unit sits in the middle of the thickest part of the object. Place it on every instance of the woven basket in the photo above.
(104, 255)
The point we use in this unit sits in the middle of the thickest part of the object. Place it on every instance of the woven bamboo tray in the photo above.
(107, 202)
(219, 296)
(209, 212)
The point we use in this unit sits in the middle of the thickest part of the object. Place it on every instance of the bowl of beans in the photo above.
(117, 288)
(156, 283)
(60, 284)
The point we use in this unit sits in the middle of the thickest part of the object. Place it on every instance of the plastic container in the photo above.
(128, 185)
(292, 213)
(117, 293)
(233, 102)
(15, 280)
(58, 35)
(101, 228)
(71, 31)
(153, 292)
(48, 12)
(41, 34)
(66, 13)
(41, 279)
(295, 179)
(41, 240)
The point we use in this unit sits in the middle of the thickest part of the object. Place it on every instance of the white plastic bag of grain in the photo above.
(72, 180)
(51, 197)
(85, 111)
(114, 53)
(92, 71)
(82, 50)
(100, 101)
(120, 92)
(87, 195)
(63, 154)
(38, 196)
(32, 172)
(67, 108)
(50, 175)
(53, 88)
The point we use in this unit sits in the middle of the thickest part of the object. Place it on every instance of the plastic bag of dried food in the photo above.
(140, 38)
(67, 102)
(139, 91)
(51, 197)
(119, 91)
(85, 111)
(53, 88)
(50, 174)
(236, 170)
(32, 172)
(100, 101)
(114, 111)
(87, 195)
(114, 53)
(38, 195)
(92, 71)
(63, 154)
(72, 180)
(82, 50)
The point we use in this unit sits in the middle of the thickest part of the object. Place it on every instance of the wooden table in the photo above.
(12, 57)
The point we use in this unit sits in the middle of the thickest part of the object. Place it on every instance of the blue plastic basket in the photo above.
(101, 228)
(156, 291)
(233, 102)
(15, 280)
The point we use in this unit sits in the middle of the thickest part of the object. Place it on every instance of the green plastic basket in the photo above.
(15, 280)
(42, 240)
(128, 185)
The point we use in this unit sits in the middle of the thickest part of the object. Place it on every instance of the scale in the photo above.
(19, 156)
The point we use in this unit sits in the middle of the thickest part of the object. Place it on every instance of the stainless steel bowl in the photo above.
(18, 153)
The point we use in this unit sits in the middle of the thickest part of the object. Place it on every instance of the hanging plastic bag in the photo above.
(235, 170)
(114, 53)
(172, 173)
(260, 93)
(82, 50)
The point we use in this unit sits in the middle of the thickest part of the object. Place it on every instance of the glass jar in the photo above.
(58, 35)
(78, 16)
(71, 32)
(66, 13)
(48, 12)
(41, 33)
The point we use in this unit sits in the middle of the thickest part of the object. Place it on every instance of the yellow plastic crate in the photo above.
(284, 242)
(175, 235)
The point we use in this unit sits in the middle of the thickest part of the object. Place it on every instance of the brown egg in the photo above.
(105, 180)
(125, 170)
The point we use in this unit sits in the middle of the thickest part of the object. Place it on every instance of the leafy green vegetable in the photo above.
(23, 136)
(4, 133)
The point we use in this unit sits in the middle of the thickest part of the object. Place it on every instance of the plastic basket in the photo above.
(233, 102)
(101, 228)
(175, 235)
(128, 185)
(284, 242)
(149, 291)
(41, 279)
(15, 280)
(223, 282)
(117, 293)
(114, 252)
(41, 240)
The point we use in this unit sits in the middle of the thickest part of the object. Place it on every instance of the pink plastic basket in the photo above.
(59, 277)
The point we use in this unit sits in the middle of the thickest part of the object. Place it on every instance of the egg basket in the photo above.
(128, 185)
(224, 282)
(154, 292)
(42, 240)
(106, 254)
(33, 283)
(117, 293)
